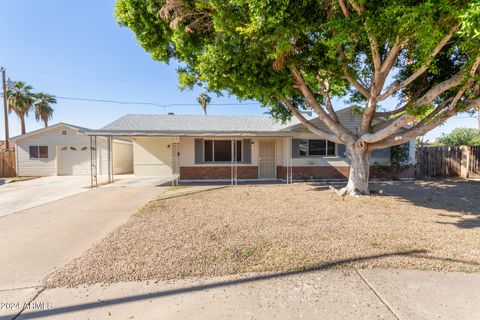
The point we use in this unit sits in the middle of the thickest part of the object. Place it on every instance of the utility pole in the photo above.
(5, 107)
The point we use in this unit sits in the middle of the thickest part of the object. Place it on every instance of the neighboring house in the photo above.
(196, 147)
(64, 149)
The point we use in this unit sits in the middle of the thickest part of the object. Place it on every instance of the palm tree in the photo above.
(204, 100)
(20, 100)
(43, 110)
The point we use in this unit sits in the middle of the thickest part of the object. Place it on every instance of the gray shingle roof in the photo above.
(194, 123)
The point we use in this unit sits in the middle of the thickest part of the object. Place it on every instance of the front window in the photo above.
(317, 147)
(38, 152)
(221, 150)
(303, 148)
(308, 148)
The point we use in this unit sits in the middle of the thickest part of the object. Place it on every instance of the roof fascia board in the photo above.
(46, 129)
(185, 134)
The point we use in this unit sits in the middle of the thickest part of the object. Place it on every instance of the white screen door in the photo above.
(266, 160)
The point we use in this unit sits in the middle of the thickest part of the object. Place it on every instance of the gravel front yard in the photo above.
(434, 226)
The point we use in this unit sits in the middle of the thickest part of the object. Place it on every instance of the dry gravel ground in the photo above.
(255, 228)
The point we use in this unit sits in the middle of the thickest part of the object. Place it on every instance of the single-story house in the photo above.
(64, 149)
(196, 147)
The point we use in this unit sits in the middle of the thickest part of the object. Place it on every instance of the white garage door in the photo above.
(73, 160)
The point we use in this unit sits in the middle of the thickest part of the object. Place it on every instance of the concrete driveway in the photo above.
(129, 180)
(38, 240)
(22, 195)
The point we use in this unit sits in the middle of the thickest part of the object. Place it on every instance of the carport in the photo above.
(115, 156)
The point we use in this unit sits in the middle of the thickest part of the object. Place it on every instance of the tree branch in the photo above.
(377, 60)
(346, 75)
(400, 85)
(344, 134)
(396, 125)
(421, 129)
(467, 84)
(322, 133)
(358, 8)
(344, 8)
(381, 71)
(410, 134)
(405, 119)
(391, 57)
(382, 124)
(385, 114)
(325, 92)
(360, 87)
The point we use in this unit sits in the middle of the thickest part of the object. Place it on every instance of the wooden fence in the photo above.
(437, 162)
(7, 164)
(474, 162)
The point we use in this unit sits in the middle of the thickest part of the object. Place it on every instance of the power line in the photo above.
(153, 103)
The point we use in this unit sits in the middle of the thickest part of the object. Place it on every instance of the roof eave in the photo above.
(140, 133)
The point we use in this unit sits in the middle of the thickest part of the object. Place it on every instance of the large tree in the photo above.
(296, 55)
(43, 108)
(20, 101)
(204, 99)
(460, 137)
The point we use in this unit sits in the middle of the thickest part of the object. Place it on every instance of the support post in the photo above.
(93, 162)
(465, 162)
(109, 161)
(175, 162)
(234, 169)
(289, 164)
(5, 108)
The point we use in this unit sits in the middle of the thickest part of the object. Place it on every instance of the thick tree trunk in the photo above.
(22, 124)
(359, 172)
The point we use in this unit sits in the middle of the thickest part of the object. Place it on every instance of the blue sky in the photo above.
(76, 49)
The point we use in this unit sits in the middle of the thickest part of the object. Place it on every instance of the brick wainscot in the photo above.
(341, 172)
(220, 172)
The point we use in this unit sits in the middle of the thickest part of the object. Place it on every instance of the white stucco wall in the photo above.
(122, 157)
(152, 156)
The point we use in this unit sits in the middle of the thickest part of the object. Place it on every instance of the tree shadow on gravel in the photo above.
(460, 197)
(219, 284)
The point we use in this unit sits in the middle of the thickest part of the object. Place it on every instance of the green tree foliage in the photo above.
(204, 99)
(43, 108)
(460, 137)
(296, 55)
(20, 101)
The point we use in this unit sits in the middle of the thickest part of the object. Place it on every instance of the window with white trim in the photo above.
(38, 152)
(221, 150)
(312, 148)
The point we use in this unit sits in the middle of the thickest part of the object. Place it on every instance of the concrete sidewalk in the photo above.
(335, 294)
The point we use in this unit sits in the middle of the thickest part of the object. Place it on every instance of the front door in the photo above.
(266, 160)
